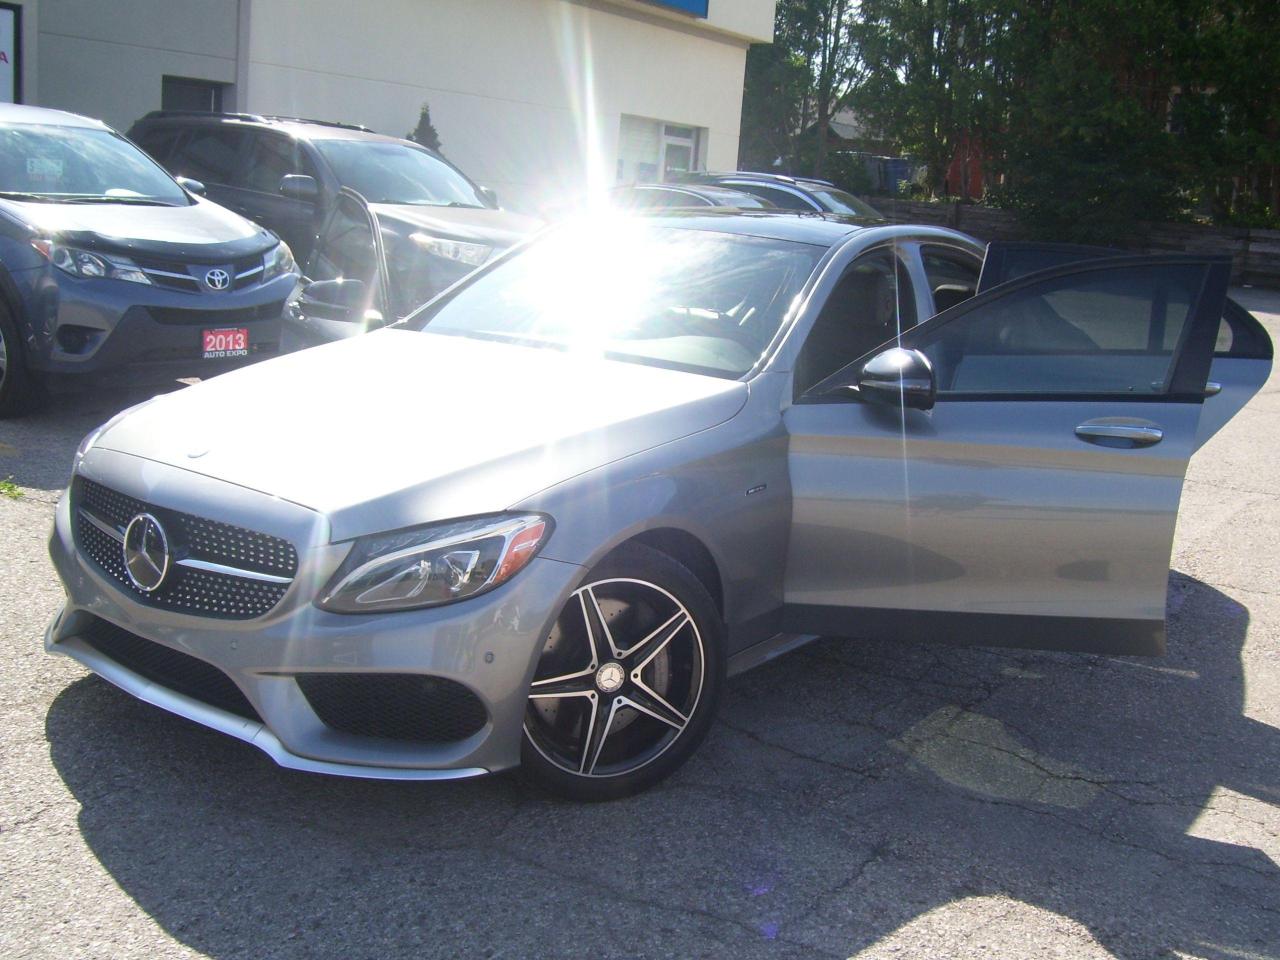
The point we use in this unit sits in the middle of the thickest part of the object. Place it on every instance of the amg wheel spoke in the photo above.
(597, 731)
(652, 645)
(602, 647)
(646, 701)
(570, 685)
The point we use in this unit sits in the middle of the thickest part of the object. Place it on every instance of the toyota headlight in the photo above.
(436, 564)
(471, 254)
(277, 262)
(89, 265)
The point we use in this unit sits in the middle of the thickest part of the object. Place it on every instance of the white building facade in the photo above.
(534, 98)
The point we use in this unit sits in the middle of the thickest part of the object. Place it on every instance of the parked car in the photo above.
(666, 196)
(112, 269)
(376, 263)
(538, 522)
(287, 174)
(789, 193)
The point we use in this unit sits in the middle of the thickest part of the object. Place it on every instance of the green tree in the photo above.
(425, 132)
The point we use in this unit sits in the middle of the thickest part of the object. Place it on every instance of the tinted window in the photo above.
(1102, 332)
(345, 250)
(782, 199)
(159, 144)
(953, 276)
(64, 162)
(272, 158)
(624, 288)
(210, 155)
(872, 303)
(389, 172)
(837, 201)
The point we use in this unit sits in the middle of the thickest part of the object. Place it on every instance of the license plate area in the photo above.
(220, 342)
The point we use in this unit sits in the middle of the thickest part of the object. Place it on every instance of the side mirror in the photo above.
(491, 196)
(298, 186)
(899, 378)
(191, 186)
(346, 298)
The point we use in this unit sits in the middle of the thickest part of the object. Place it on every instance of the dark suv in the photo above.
(789, 193)
(286, 173)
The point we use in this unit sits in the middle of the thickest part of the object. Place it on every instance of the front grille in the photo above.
(174, 275)
(394, 706)
(186, 317)
(172, 669)
(225, 595)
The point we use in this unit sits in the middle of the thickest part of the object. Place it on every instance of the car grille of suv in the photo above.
(170, 668)
(394, 706)
(186, 317)
(252, 571)
(173, 275)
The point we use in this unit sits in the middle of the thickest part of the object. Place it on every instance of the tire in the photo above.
(19, 391)
(613, 710)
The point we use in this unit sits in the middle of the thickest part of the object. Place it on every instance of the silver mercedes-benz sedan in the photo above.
(538, 522)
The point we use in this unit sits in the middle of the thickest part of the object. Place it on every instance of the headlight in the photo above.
(441, 563)
(278, 262)
(472, 254)
(89, 265)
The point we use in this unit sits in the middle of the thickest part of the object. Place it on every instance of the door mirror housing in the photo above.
(343, 299)
(299, 186)
(191, 186)
(899, 378)
(491, 196)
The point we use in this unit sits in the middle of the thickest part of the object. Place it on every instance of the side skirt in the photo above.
(1075, 634)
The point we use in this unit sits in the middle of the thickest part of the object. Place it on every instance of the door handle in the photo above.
(1119, 434)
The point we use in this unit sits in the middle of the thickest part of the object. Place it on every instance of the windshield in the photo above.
(837, 201)
(629, 290)
(82, 164)
(387, 172)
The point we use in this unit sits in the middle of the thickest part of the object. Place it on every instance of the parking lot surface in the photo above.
(854, 798)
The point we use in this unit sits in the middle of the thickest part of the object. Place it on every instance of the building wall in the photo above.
(105, 58)
(527, 95)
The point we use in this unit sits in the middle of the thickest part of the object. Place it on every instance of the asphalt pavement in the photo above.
(853, 799)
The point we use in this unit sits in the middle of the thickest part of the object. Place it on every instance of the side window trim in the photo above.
(1185, 372)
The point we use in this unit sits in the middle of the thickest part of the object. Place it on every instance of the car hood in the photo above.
(497, 228)
(201, 230)
(398, 427)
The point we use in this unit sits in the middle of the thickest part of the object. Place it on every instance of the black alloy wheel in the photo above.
(628, 679)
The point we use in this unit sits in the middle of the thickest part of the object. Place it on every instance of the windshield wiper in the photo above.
(19, 195)
(101, 198)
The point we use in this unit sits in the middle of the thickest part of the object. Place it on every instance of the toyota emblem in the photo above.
(217, 279)
(146, 553)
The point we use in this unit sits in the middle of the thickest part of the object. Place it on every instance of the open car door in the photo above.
(1242, 353)
(1018, 484)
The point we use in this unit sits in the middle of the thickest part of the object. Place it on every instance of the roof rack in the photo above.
(254, 118)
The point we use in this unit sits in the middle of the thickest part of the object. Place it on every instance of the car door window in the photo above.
(952, 275)
(346, 248)
(871, 303)
(1112, 331)
(271, 159)
(160, 144)
(211, 155)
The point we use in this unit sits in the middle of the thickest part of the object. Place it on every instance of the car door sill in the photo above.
(766, 650)
(1116, 637)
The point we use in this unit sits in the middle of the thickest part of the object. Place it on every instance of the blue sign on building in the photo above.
(697, 7)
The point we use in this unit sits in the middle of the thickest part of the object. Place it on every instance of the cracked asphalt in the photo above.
(854, 799)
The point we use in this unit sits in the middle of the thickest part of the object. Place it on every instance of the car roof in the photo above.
(299, 127)
(800, 226)
(709, 190)
(779, 179)
(20, 113)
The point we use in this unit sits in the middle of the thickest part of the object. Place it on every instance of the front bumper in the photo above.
(102, 331)
(489, 644)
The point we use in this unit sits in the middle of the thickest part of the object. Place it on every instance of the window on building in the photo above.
(654, 150)
(185, 93)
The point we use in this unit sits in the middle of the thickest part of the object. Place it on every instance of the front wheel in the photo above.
(628, 680)
(18, 391)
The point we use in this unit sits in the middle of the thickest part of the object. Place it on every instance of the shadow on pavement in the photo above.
(849, 789)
